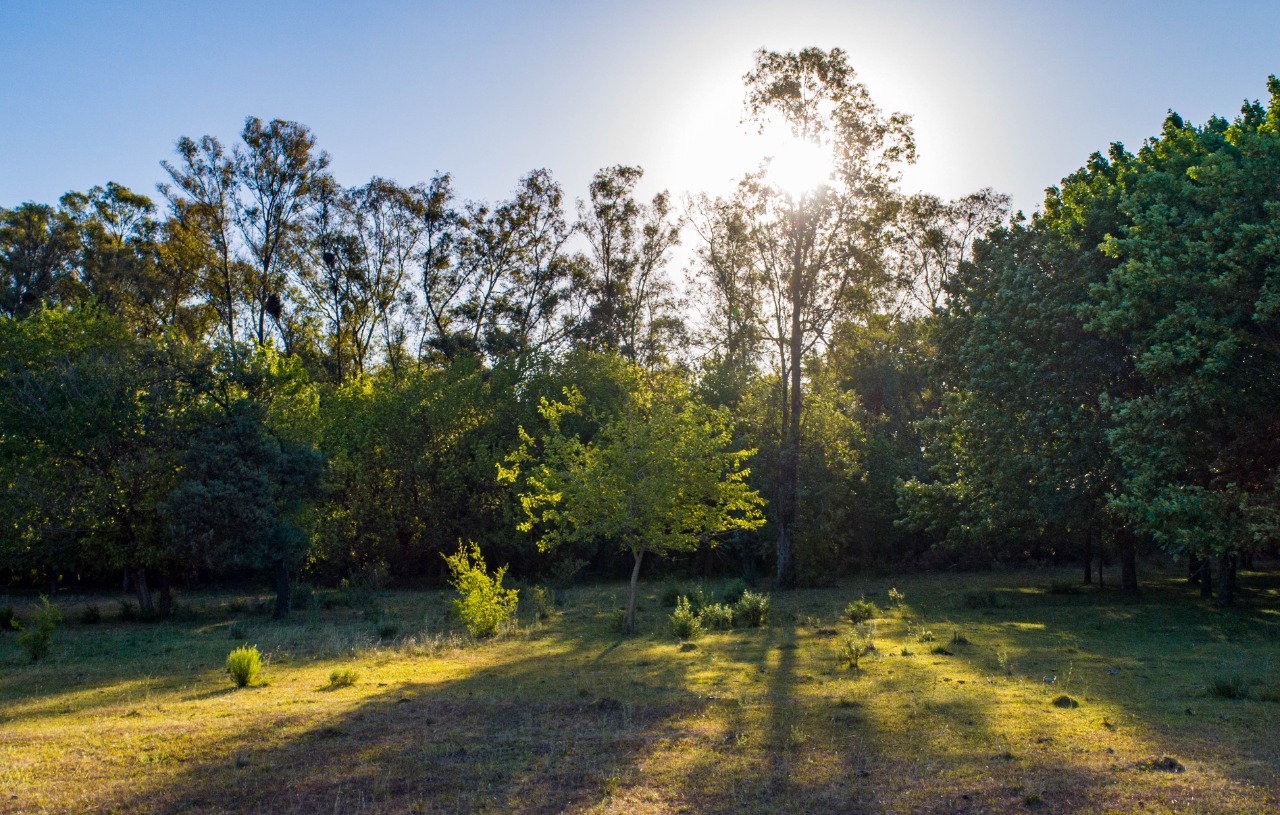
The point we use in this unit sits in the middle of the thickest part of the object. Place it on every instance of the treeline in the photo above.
(264, 373)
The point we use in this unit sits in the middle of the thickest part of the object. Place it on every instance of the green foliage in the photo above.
(751, 610)
(243, 665)
(896, 598)
(484, 604)
(36, 636)
(343, 677)
(734, 590)
(7, 620)
(856, 644)
(543, 601)
(859, 611)
(716, 617)
(685, 622)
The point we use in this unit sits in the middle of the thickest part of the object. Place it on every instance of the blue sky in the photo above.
(1010, 95)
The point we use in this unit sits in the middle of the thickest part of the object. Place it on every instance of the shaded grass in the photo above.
(563, 715)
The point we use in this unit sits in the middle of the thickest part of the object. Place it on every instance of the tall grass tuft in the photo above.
(244, 664)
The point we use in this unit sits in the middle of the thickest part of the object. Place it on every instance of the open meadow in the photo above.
(997, 692)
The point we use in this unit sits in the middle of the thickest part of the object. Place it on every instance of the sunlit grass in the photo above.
(563, 715)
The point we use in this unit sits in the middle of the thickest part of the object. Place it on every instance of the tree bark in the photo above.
(1226, 579)
(790, 464)
(1206, 577)
(1128, 563)
(1193, 569)
(1088, 556)
(146, 608)
(281, 570)
(630, 625)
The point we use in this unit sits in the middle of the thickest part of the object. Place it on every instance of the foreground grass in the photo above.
(563, 715)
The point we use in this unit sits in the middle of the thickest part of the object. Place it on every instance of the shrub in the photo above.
(37, 635)
(685, 623)
(91, 615)
(7, 621)
(854, 645)
(484, 604)
(751, 610)
(734, 590)
(859, 611)
(244, 664)
(670, 594)
(543, 601)
(897, 598)
(343, 677)
(1065, 701)
(716, 617)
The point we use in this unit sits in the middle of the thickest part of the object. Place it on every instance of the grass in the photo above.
(564, 715)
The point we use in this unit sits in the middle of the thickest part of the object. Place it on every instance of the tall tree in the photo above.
(819, 252)
(629, 303)
(37, 254)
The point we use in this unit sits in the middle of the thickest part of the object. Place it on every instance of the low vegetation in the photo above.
(566, 715)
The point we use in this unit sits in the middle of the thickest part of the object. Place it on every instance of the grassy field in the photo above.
(563, 715)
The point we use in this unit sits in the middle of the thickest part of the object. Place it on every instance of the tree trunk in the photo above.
(791, 438)
(164, 597)
(281, 570)
(629, 627)
(1206, 577)
(1128, 563)
(1088, 556)
(1193, 569)
(146, 608)
(1226, 579)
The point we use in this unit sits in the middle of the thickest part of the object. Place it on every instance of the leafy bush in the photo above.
(543, 601)
(484, 604)
(716, 617)
(343, 677)
(859, 611)
(670, 594)
(244, 664)
(734, 590)
(685, 623)
(37, 634)
(897, 598)
(854, 645)
(751, 610)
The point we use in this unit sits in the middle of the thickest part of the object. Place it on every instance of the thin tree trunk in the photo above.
(1128, 563)
(1088, 556)
(1206, 577)
(146, 608)
(791, 438)
(1226, 579)
(1193, 569)
(630, 626)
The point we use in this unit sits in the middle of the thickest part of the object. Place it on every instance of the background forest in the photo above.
(261, 374)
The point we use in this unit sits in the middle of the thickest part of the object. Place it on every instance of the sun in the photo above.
(796, 166)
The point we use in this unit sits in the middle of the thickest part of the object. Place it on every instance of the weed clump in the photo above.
(685, 622)
(484, 604)
(37, 635)
(751, 610)
(1065, 702)
(343, 677)
(543, 601)
(859, 611)
(244, 664)
(1229, 687)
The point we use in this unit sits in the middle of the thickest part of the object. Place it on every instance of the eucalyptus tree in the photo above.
(37, 256)
(628, 303)
(819, 253)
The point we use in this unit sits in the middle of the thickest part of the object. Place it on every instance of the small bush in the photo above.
(896, 598)
(685, 623)
(8, 622)
(925, 636)
(543, 601)
(855, 645)
(484, 604)
(959, 639)
(716, 617)
(734, 590)
(1229, 687)
(751, 610)
(244, 664)
(91, 615)
(859, 611)
(698, 599)
(343, 677)
(37, 634)
(1066, 702)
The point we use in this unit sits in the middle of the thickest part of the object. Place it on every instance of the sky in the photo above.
(1010, 95)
